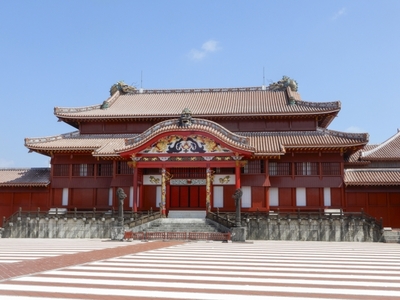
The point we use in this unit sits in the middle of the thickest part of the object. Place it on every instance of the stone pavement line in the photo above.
(8, 271)
(273, 270)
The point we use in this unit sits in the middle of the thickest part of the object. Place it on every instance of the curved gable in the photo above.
(202, 136)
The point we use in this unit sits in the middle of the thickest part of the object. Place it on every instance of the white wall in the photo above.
(327, 196)
(64, 201)
(218, 196)
(273, 196)
(131, 196)
(110, 197)
(301, 196)
(246, 198)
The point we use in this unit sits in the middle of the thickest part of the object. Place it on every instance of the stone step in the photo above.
(181, 229)
(391, 236)
(177, 225)
(186, 214)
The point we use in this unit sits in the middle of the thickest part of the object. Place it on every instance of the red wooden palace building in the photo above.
(190, 149)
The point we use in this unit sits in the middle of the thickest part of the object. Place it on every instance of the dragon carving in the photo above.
(282, 84)
(122, 87)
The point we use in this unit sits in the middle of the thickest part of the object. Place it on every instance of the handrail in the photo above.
(225, 221)
(144, 218)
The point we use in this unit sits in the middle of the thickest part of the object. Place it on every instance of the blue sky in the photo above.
(69, 53)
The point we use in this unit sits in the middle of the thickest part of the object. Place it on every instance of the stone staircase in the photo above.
(186, 214)
(181, 221)
(390, 235)
(180, 225)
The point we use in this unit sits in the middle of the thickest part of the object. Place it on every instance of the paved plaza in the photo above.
(101, 269)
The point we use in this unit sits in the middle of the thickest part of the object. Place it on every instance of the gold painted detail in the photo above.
(209, 180)
(168, 176)
(131, 164)
(225, 179)
(186, 144)
(223, 158)
(154, 180)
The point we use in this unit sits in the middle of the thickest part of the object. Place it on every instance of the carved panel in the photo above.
(174, 144)
(152, 179)
(224, 179)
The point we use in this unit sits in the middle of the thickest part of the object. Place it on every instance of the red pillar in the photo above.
(266, 189)
(237, 175)
(140, 196)
(135, 187)
(167, 191)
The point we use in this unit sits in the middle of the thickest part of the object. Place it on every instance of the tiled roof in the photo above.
(279, 142)
(260, 143)
(387, 151)
(74, 141)
(25, 177)
(372, 177)
(355, 158)
(202, 103)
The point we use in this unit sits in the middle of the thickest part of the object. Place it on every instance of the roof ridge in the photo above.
(319, 131)
(51, 138)
(380, 146)
(330, 104)
(364, 136)
(374, 170)
(201, 90)
(110, 100)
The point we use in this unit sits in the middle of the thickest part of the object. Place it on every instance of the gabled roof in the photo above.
(197, 125)
(372, 177)
(203, 103)
(34, 177)
(387, 151)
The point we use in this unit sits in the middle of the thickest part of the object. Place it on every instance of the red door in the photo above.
(187, 197)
